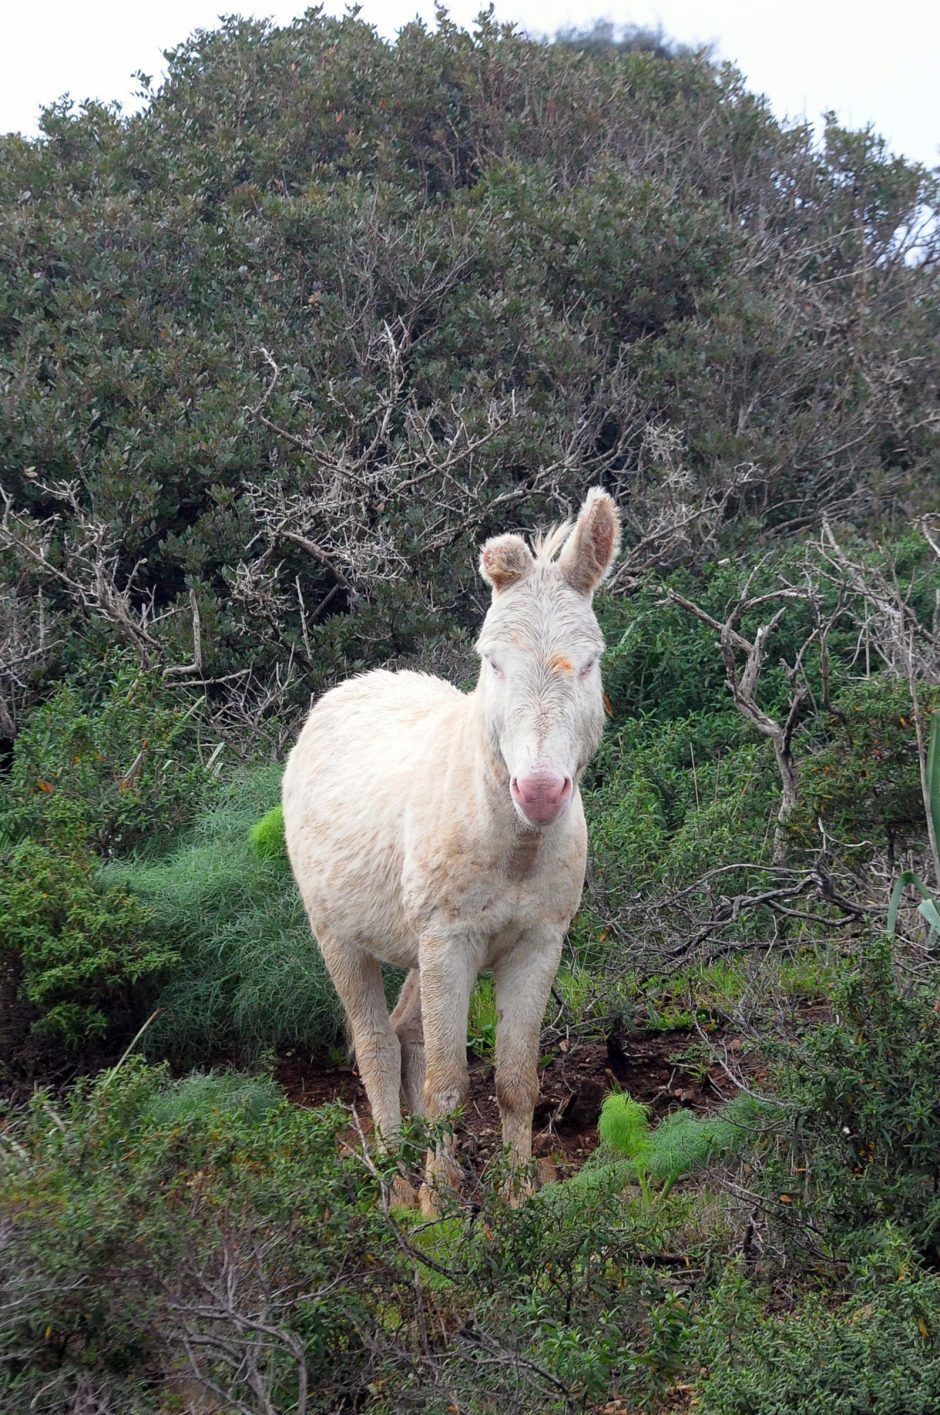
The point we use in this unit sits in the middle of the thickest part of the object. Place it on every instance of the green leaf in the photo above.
(894, 903)
(930, 912)
(928, 908)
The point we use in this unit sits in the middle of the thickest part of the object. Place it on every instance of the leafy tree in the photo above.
(277, 350)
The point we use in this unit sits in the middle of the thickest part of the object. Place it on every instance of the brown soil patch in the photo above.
(662, 1069)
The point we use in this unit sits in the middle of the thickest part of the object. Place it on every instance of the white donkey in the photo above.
(443, 831)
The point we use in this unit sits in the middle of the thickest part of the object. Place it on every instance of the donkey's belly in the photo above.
(349, 873)
(364, 918)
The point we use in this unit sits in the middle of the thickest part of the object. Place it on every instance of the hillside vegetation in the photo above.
(276, 353)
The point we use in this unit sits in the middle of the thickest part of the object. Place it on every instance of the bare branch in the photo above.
(743, 683)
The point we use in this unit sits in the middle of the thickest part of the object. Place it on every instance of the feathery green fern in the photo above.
(681, 1143)
(267, 835)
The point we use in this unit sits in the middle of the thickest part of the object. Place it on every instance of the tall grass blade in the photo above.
(112, 1071)
(933, 786)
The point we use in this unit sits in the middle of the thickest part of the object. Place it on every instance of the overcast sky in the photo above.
(872, 62)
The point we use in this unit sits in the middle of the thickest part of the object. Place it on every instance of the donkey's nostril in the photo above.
(541, 794)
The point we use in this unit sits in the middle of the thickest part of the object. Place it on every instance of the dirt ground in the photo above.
(662, 1069)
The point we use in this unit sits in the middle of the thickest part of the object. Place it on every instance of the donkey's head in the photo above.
(540, 681)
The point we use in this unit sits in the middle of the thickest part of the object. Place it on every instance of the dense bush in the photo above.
(146, 1221)
(859, 1146)
(164, 1241)
(875, 1354)
(109, 762)
(689, 837)
(862, 782)
(79, 957)
(489, 271)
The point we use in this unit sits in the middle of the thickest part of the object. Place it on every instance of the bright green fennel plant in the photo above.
(678, 1145)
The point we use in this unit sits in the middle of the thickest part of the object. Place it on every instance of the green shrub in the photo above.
(878, 1353)
(862, 778)
(81, 953)
(571, 1288)
(157, 1230)
(189, 1101)
(145, 1219)
(663, 663)
(670, 800)
(110, 761)
(634, 1151)
(656, 663)
(251, 977)
(860, 1139)
(267, 835)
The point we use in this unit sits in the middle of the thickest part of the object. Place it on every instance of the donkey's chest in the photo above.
(495, 893)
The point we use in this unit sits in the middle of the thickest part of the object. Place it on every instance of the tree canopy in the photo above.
(278, 350)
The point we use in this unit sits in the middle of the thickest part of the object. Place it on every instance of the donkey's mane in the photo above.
(546, 545)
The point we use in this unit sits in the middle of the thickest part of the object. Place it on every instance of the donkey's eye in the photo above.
(586, 670)
(497, 668)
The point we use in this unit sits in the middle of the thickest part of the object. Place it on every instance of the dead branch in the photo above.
(26, 644)
(231, 1323)
(668, 516)
(91, 573)
(743, 683)
(893, 629)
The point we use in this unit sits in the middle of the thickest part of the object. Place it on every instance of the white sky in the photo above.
(868, 60)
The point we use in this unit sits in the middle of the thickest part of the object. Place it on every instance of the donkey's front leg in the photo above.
(357, 977)
(448, 967)
(523, 981)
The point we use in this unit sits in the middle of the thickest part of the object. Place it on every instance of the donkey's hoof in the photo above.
(428, 1202)
(402, 1194)
(441, 1176)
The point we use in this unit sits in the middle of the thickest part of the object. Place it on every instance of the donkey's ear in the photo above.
(591, 549)
(504, 561)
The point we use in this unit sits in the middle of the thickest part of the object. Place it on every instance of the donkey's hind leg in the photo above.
(357, 977)
(406, 1020)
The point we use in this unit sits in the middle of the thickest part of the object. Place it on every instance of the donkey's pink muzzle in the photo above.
(541, 795)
